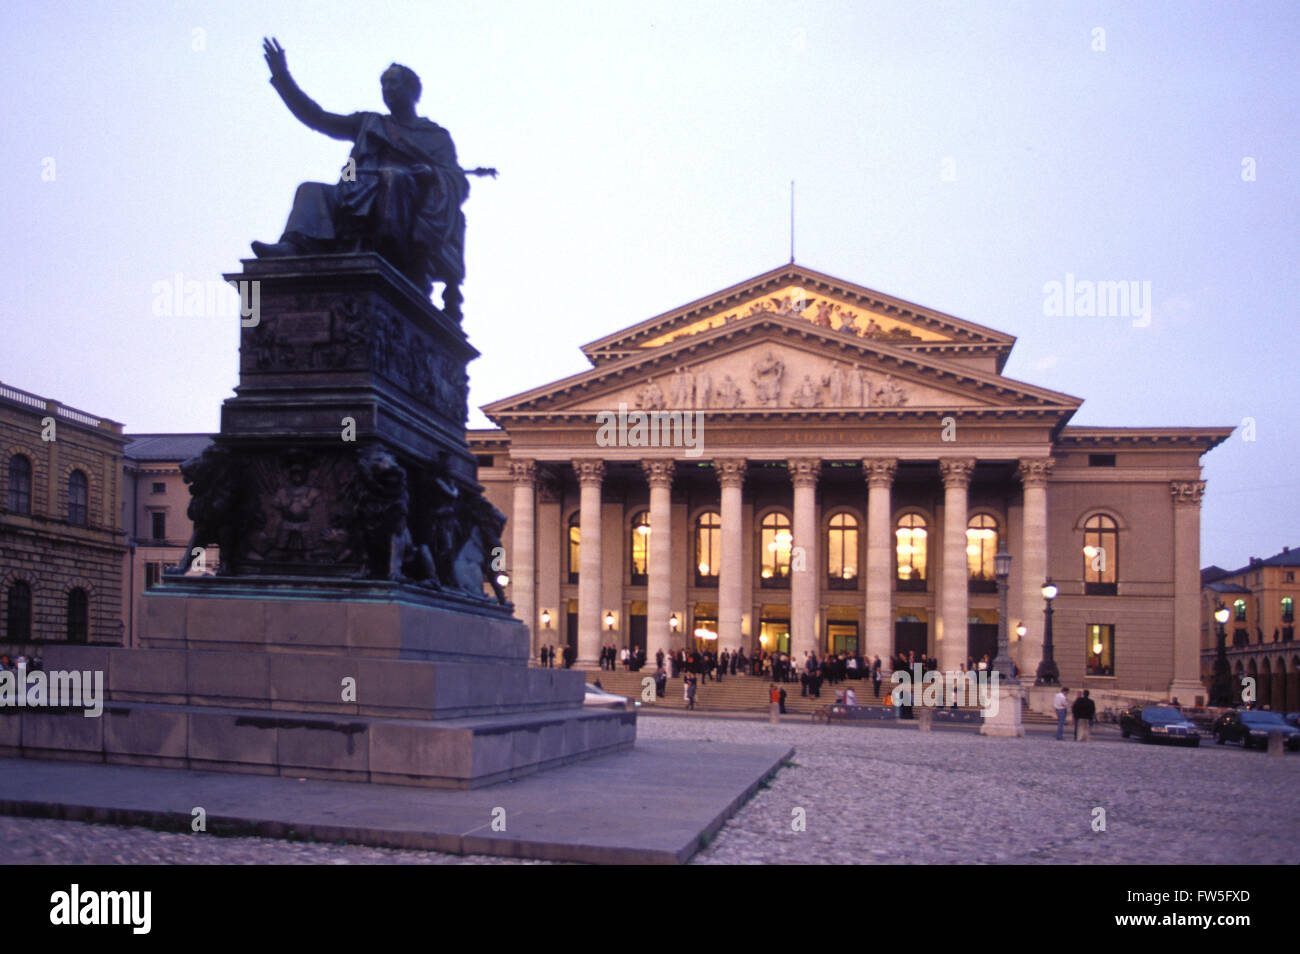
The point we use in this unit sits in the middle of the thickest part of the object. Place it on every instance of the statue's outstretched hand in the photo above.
(275, 57)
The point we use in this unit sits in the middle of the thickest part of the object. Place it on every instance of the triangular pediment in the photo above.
(778, 361)
(820, 300)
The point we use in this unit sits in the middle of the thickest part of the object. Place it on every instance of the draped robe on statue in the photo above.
(402, 198)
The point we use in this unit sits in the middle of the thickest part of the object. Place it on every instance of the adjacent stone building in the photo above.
(155, 501)
(1260, 634)
(62, 545)
(835, 469)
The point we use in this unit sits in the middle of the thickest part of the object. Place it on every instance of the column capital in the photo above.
(879, 471)
(1187, 493)
(659, 472)
(1034, 471)
(589, 471)
(804, 471)
(956, 471)
(730, 471)
(523, 471)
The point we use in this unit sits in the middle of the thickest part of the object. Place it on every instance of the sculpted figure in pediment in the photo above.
(807, 394)
(682, 388)
(836, 386)
(650, 396)
(728, 394)
(890, 393)
(766, 377)
(824, 311)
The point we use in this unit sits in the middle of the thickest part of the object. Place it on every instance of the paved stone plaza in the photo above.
(878, 795)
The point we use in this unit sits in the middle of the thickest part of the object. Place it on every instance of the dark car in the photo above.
(1293, 718)
(1158, 724)
(1252, 726)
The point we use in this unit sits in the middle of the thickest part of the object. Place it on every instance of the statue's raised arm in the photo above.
(300, 104)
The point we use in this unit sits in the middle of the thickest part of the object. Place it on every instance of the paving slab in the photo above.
(658, 803)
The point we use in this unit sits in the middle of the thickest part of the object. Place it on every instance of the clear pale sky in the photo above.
(646, 151)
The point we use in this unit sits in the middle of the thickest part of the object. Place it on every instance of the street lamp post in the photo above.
(1221, 691)
(1002, 569)
(1048, 674)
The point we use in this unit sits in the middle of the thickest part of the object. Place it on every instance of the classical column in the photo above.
(880, 555)
(731, 571)
(521, 563)
(591, 474)
(1033, 473)
(659, 586)
(954, 615)
(1187, 685)
(804, 586)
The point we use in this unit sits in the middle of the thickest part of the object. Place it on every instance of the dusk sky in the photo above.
(961, 156)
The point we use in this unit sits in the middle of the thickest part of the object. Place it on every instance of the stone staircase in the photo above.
(750, 694)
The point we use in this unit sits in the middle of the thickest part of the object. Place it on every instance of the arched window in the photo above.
(78, 496)
(575, 543)
(981, 545)
(911, 551)
(78, 616)
(708, 548)
(1100, 556)
(640, 548)
(20, 484)
(775, 541)
(18, 621)
(842, 552)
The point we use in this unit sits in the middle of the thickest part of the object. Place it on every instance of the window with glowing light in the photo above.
(1100, 556)
(842, 552)
(640, 548)
(910, 550)
(1099, 649)
(708, 548)
(775, 542)
(981, 545)
(575, 542)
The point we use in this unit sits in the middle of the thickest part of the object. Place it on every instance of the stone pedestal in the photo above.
(356, 630)
(1008, 721)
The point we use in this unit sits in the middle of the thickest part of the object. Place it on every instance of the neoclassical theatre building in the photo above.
(855, 463)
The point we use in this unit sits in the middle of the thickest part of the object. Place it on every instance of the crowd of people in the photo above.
(28, 663)
(567, 657)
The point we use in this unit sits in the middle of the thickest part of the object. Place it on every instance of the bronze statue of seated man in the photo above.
(400, 193)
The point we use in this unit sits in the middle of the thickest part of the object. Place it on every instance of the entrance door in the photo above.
(777, 632)
(636, 633)
(910, 637)
(571, 632)
(843, 637)
(981, 640)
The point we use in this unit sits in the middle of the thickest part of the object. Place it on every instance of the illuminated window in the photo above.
(1100, 556)
(1239, 610)
(1288, 609)
(575, 541)
(708, 548)
(1100, 649)
(842, 552)
(775, 541)
(981, 545)
(640, 548)
(910, 549)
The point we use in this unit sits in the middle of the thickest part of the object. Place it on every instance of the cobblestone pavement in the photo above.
(875, 795)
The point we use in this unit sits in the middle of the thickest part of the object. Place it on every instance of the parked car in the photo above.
(1158, 724)
(596, 696)
(1293, 718)
(1252, 727)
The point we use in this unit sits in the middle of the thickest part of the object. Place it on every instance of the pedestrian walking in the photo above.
(1085, 712)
